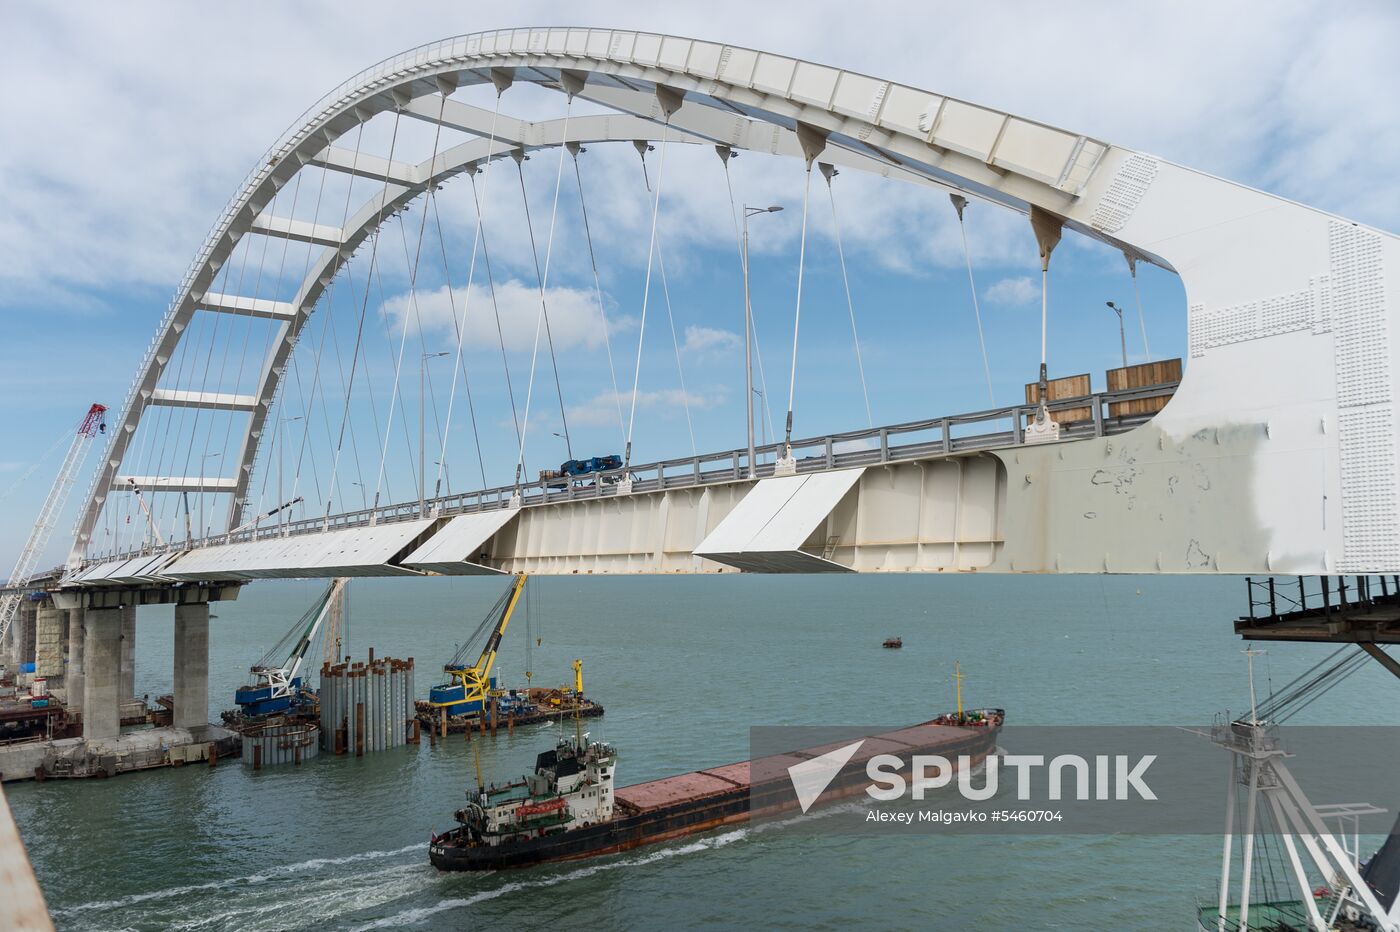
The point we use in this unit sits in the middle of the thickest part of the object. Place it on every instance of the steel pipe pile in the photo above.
(366, 707)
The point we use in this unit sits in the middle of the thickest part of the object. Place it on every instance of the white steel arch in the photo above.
(1289, 400)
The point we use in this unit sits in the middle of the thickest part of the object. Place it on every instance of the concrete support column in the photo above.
(9, 651)
(128, 653)
(192, 667)
(48, 644)
(102, 665)
(73, 678)
(25, 636)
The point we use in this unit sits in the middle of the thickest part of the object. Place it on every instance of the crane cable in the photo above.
(829, 171)
(797, 314)
(646, 296)
(543, 316)
(574, 150)
(960, 202)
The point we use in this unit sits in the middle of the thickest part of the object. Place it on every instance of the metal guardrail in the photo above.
(1280, 598)
(865, 447)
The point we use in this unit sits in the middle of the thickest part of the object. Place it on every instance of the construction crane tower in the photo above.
(91, 425)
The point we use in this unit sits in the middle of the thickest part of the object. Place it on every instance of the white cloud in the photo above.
(118, 186)
(601, 409)
(574, 320)
(704, 339)
(1017, 291)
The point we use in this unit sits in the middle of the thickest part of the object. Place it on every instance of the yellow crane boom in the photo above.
(476, 679)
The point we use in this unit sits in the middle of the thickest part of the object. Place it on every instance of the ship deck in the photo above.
(714, 781)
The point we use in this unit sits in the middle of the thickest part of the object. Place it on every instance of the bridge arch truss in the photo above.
(1290, 309)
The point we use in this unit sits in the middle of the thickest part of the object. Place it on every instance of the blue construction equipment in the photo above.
(276, 687)
(591, 465)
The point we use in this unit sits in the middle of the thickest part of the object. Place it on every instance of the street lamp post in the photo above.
(1122, 339)
(748, 329)
(422, 464)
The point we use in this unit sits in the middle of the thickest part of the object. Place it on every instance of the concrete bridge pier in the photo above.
(102, 650)
(24, 632)
(191, 673)
(74, 681)
(48, 644)
(127, 687)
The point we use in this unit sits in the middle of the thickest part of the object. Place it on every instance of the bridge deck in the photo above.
(979, 431)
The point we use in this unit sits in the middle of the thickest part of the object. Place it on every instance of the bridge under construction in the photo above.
(1273, 452)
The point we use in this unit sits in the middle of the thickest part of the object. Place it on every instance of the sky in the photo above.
(137, 122)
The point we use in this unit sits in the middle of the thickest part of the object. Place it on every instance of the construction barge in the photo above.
(472, 697)
(514, 707)
(568, 808)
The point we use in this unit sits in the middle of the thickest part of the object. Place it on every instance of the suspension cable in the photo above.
(543, 316)
(328, 329)
(1137, 295)
(403, 339)
(675, 343)
(646, 295)
(460, 365)
(829, 171)
(959, 203)
(574, 150)
(495, 305)
(797, 314)
(726, 154)
(359, 334)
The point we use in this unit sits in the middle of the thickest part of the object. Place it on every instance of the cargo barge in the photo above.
(568, 809)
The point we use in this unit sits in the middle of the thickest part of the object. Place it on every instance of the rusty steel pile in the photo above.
(367, 707)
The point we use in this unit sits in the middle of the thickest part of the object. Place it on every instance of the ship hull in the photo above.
(627, 830)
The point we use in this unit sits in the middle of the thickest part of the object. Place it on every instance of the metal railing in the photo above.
(1276, 597)
(1001, 428)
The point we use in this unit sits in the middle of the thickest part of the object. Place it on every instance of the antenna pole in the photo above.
(957, 678)
(1253, 703)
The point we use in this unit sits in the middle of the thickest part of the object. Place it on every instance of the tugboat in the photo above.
(568, 809)
(894, 643)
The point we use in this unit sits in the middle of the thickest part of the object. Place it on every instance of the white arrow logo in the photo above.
(811, 777)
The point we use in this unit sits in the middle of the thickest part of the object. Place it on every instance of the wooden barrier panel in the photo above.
(1143, 375)
(1070, 386)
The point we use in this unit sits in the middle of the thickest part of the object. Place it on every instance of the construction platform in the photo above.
(1333, 609)
(144, 749)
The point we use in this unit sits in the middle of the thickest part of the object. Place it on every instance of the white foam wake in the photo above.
(420, 913)
(304, 867)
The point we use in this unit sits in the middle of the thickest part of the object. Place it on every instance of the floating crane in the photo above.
(90, 426)
(276, 687)
(468, 686)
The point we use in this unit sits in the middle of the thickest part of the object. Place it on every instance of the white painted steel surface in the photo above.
(767, 531)
(448, 550)
(358, 552)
